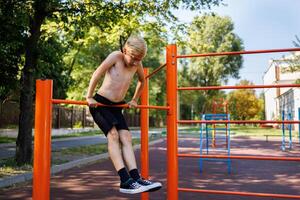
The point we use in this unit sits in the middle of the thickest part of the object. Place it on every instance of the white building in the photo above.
(278, 100)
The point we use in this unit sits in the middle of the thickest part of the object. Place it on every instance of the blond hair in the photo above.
(136, 45)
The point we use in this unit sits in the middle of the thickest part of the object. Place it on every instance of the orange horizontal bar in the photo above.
(238, 87)
(286, 196)
(237, 122)
(154, 107)
(241, 157)
(62, 101)
(155, 71)
(239, 53)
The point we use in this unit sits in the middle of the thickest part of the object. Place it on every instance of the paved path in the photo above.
(100, 181)
(8, 150)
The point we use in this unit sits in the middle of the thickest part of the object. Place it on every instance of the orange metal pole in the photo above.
(238, 87)
(274, 158)
(237, 121)
(172, 146)
(285, 196)
(144, 133)
(63, 101)
(42, 140)
(155, 71)
(239, 53)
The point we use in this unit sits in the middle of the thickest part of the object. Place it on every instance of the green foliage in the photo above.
(70, 21)
(9, 167)
(83, 59)
(294, 62)
(212, 33)
(91, 50)
(13, 31)
(243, 103)
(291, 64)
(4, 139)
(261, 115)
(51, 39)
(51, 66)
(209, 33)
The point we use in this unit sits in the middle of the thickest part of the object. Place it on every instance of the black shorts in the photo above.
(108, 117)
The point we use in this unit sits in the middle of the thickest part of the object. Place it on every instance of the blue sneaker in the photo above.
(151, 186)
(132, 187)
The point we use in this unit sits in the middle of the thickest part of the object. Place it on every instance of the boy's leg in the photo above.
(129, 157)
(127, 149)
(114, 149)
(128, 185)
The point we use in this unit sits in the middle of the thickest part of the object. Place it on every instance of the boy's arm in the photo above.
(139, 87)
(100, 71)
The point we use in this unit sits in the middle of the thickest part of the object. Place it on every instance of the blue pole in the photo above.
(201, 146)
(207, 140)
(228, 146)
(283, 133)
(290, 132)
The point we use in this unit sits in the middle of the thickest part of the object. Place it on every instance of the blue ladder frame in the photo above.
(214, 117)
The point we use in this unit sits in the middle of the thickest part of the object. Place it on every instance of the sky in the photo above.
(261, 24)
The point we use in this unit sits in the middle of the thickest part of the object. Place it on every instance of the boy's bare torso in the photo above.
(117, 80)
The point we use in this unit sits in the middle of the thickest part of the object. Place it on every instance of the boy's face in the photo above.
(132, 59)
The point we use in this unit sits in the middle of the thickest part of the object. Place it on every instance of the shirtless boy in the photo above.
(118, 70)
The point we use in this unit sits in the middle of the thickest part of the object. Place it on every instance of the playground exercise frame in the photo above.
(43, 125)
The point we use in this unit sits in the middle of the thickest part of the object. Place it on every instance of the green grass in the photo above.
(90, 149)
(8, 167)
(10, 126)
(87, 133)
(86, 150)
(4, 139)
(258, 131)
(240, 130)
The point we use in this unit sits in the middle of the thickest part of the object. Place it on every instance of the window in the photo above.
(286, 105)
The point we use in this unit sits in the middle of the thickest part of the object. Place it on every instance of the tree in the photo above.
(96, 45)
(12, 36)
(244, 104)
(290, 63)
(210, 33)
(73, 17)
(295, 63)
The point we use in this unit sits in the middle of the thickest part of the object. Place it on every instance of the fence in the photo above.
(63, 117)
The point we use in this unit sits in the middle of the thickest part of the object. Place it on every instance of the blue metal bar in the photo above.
(283, 132)
(219, 137)
(214, 115)
(201, 147)
(290, 132)
(221, 129)
(221, 117)
(206, 134)
(208, 138)
(228, 146)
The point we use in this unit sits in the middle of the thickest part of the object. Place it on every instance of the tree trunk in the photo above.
(24, 139)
